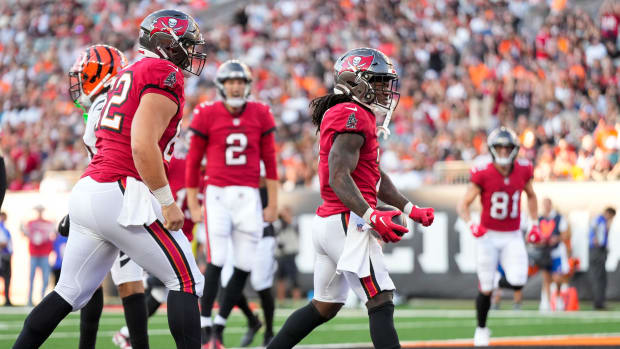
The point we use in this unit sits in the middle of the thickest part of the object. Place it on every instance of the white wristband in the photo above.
(408, 207)
(367, 214)
(164, 195)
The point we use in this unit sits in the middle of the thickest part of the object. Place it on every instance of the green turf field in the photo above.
(419, 320)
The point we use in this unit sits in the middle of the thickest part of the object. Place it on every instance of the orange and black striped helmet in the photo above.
(92, 72)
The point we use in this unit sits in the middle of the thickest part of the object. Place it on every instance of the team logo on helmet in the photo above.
(355, 63)
(170, 24)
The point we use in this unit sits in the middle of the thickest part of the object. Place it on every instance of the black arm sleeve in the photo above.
(3, 183)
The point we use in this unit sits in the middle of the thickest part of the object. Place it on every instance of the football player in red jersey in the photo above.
(123, 200)
(235, 134)
(346, 253)
(499, 184)
(90, 78)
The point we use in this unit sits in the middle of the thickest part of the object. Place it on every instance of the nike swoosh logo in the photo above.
(174, 67)
(354, 108)
(381, 219)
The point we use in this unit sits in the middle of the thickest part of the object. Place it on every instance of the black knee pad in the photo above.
(379, 300)
(503, 283)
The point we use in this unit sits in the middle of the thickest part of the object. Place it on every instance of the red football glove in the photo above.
(477, 230)
(422, 215)
(533, 237)
(381, 222)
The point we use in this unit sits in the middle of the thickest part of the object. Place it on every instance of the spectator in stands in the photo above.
(288, 248)
(6, 251)
(599, 233)
(40, 233)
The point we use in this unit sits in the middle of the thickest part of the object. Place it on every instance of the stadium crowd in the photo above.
(545, 68)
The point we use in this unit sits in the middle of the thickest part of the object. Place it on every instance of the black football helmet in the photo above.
(368, 76)
(503, 137)
(233, 69)
(173, 36)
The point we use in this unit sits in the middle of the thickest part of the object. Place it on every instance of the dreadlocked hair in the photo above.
(319, 106)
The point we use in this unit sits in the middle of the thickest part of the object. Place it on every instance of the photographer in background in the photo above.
(288, 248)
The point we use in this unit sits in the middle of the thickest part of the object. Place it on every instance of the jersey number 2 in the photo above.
(500, 202)
(236, 144)
(120, 91)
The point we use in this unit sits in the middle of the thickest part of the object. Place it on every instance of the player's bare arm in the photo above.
(268, 156)
(150, 121)
(193, 204)
(391, 196)
(532, 206)
(532, 200)
(343, 158)
(270, 213)
(471, 194)
(473, 190)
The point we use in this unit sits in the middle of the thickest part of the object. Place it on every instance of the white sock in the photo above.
(553, 288)
(544, 301)
(205, 321)
(124, 331)
(219, 320)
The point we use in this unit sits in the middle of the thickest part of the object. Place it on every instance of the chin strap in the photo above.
(383, 130)
(84, 111)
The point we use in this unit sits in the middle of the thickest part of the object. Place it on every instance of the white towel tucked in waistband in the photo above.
(137, 206)
(355, 256)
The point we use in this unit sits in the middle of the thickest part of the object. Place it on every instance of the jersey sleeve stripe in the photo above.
(168, 93)
(336, 134)
(198, 133)
(154, 86)
(268, 131)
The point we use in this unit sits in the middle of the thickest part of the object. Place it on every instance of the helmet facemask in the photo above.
(503, 160)
(230, 70)
(186, 54)
(235, 102)
(378, 92)
(503, 138)
(369, 77)
(385, 88)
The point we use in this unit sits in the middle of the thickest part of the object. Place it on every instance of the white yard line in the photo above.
(325, 328)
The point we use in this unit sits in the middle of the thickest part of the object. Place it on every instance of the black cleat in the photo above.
(268, 338)
(248, 337)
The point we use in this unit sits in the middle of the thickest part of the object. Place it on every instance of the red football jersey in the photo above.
(114, 159)
(234, 143)
(501, 196)
(349, 118)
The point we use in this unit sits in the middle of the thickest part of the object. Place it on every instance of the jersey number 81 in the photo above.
(500, 203)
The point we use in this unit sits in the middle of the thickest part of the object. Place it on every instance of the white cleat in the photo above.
(482, 337)
(121, 341)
